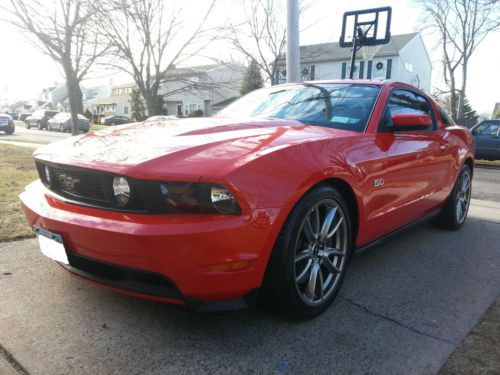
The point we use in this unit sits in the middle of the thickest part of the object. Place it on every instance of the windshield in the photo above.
(335, 105)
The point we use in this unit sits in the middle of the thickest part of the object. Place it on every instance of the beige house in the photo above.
(207, 88)
(118, 103)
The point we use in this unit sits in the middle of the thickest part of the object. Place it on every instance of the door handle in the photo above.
(443, 146)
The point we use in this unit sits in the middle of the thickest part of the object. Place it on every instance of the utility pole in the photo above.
(292, 41)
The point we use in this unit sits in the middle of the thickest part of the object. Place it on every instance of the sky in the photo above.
(25, 70)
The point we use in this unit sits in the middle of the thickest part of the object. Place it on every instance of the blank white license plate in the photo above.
(51, 245)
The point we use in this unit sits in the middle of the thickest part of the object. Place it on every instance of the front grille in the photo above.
(95, 188)
(78, 184)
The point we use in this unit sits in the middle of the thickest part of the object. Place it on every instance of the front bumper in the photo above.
(207, 261)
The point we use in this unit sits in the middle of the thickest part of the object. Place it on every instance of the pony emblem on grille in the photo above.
(68, 182)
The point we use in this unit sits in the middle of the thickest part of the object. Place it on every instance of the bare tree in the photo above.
(261, 37)
(462, 25)
(148, 38)
(64, 30)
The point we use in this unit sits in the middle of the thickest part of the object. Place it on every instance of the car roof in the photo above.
(383, 82)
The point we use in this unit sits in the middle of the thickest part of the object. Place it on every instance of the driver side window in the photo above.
(404, 101)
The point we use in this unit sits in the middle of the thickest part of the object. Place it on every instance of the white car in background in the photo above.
(62, 122)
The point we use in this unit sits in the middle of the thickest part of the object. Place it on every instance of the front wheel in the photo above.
(310, 257)
(11, 129)
(456, 208)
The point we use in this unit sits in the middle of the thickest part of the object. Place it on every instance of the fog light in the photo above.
(121, 190)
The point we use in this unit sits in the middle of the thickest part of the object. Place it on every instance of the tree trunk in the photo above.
(453, 96)
(462, 94)
(74, 97)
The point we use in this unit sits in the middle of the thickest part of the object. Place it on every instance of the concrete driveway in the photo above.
(403, 309)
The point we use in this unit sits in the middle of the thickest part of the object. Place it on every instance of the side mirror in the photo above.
(410, 121)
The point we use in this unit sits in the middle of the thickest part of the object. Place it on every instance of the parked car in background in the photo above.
(487, 136)
(115, 120)
(14, 115)
(24, 116)
(274, 194)
(7, 124)
(62, 122)
(40, 119)
(160, 118)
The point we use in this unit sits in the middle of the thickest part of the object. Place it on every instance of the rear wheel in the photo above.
(456, 208)
(39, 125)
(310, 257)
(61, 128)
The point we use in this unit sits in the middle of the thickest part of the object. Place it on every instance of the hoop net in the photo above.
(370, 51)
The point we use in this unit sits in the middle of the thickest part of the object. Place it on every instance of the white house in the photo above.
(207, 88)
(404, 58)
(93, 94)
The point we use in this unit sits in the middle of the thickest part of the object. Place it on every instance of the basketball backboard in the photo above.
(368, 26)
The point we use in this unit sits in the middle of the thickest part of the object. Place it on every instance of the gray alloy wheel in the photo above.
(463, 196)
(310, 257)
(320, 252)
(455, 210)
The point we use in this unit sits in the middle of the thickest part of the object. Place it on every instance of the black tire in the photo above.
(27, 125)
(61, 128)
(449, 218)
(39, 125)
(281, 289)
(10, 130)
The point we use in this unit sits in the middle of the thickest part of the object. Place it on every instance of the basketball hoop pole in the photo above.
(353, 56)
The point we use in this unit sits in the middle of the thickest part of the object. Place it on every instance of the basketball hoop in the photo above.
(370, 51)
(365, 29)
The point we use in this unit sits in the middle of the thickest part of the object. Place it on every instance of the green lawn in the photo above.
(98, 127)
(17, 170)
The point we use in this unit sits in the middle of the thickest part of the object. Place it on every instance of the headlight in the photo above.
(190, 197)
(47, 175)
(121, 190)
(223, 200)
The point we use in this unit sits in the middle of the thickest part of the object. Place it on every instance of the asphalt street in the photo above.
(404, 308)
(33, 135)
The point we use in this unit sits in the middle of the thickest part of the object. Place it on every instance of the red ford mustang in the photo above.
(271, 197)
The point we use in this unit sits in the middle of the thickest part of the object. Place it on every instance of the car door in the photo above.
(418, 161)
(487, 140)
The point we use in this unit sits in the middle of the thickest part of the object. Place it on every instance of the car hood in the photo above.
(181, 148)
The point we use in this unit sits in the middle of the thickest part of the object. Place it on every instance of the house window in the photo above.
(125, 110)
(95, 94)
(113, 108)
(408, 67)
(186, 109)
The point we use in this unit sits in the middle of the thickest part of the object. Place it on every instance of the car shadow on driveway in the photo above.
(403, 309)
